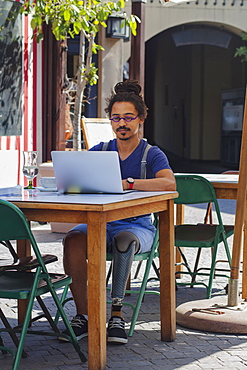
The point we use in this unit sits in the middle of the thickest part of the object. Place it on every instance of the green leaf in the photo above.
(98, 47)
(101, 16)
(244, 36)
(33, 24)
(39, 37)
(121, 3)
(66, 15)
(38, 20)
(55, 24)
(77, 27)
(85, 24)
(56, 33)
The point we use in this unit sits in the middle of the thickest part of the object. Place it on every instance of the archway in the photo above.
(188, 67)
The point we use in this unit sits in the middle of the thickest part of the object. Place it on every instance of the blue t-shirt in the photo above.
(131, 166)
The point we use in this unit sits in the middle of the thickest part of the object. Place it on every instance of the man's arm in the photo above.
(164, 181)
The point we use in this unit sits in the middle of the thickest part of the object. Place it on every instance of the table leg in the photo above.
(96, 291)
(244, 275)
(23, 250)
(167, 274)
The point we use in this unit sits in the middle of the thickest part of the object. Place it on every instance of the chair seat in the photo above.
(18, 286)
(26, 263)
(200, 235)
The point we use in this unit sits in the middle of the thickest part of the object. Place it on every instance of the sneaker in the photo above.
(80, 327)
(115, 330)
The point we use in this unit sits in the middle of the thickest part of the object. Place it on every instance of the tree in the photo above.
(72, 17)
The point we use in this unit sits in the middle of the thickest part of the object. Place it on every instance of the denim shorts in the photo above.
(142, 227)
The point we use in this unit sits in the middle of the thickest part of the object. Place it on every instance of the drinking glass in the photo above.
(30, 167)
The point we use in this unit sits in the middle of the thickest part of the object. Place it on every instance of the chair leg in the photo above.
(108, 274)
(63, 301)
(208, 219)
(138, 269)
(11, 333)
(156, 269)
(26, 321)
(212, 272)
(185, 261)
(47, 315)
(196, 265)
(11, 249)
(4, 352)
(140, 297)
(128, 286)
(72, 336)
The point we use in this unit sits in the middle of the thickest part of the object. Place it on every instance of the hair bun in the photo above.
(128, 86)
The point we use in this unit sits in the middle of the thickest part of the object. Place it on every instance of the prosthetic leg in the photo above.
(125, 245)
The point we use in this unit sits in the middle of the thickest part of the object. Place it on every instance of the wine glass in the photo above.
(30, 167)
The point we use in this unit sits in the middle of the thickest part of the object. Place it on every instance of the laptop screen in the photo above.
(87, 171)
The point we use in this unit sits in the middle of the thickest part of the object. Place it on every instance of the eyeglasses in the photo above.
(126, 118)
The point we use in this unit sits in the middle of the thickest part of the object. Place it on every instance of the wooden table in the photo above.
(226, 187)
(96, 210)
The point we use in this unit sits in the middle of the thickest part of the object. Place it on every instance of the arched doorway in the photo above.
(188, 67)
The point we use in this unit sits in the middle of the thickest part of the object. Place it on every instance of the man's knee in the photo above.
(74, 239)
(124, 240)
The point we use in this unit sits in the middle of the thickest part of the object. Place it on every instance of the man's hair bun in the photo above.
(128, 86)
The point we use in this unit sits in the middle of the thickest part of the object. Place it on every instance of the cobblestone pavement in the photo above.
(193, 350)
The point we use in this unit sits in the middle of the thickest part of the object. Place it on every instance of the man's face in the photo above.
(125, 129)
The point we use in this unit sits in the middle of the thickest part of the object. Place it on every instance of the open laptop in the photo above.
(87, 172)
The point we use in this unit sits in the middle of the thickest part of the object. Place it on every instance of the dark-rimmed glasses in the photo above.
(126, 118)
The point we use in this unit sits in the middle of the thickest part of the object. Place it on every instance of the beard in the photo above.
(124, 138)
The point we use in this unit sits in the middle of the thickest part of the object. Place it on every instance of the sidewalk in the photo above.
(192, 350)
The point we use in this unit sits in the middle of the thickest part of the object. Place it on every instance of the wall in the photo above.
(195, 11)
(30, 137)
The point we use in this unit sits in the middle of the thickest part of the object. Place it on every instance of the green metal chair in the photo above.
(18, 283)
(208, 219)
(195, 189)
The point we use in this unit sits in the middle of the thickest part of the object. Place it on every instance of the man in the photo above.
(127, 111)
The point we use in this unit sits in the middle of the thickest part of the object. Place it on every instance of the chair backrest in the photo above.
(194, 189)
(96, 130)
(14, 226)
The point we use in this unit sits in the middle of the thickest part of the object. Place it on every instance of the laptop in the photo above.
(87, 172)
